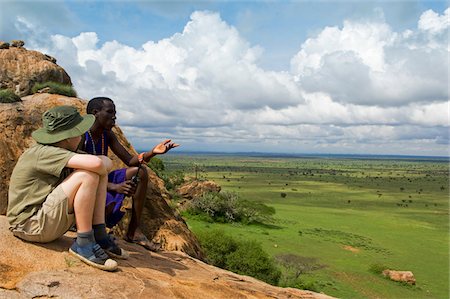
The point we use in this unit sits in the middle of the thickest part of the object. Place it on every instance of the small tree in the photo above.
(198, 170)
(298, 265)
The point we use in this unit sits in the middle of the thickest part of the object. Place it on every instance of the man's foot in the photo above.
(144, 242)
(93, 255)
(111, 248)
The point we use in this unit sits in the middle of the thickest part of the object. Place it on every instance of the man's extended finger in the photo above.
(166, 141)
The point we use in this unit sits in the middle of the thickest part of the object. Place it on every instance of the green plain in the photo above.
(350, 214)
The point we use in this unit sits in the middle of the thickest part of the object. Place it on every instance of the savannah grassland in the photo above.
(351, 215)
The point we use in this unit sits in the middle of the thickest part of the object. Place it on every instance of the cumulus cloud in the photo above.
(370, 64)
(433, 22)
(361, 88)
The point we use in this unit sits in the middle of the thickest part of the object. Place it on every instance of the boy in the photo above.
(51, 186)
(96, 141)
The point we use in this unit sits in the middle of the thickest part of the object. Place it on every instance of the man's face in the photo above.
(106, 117)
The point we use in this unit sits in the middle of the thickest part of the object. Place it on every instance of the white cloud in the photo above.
(433, 22)
(362, 88)
(369, 64)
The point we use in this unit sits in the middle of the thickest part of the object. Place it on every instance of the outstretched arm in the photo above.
(130, 160)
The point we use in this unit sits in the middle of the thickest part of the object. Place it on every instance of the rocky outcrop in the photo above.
(159, 222)
(197, 188)
(47, 270)
(17, 43)
(401, 276)
(21, 69)
(4, 45)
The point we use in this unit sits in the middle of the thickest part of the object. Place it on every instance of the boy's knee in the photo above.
(85, 176)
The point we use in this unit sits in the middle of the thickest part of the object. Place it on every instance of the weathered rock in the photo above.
(21, 69)
(17, 43)
(50, 58)
(197, 188)
(401, 276)
(47, 270)
(44, 90)
(159, 222)
(4, 45)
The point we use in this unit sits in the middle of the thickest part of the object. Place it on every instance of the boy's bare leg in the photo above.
(79, 187)
(100, 201)
(86, 192)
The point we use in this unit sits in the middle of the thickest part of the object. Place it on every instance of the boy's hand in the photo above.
(127, 187)
(164, 147)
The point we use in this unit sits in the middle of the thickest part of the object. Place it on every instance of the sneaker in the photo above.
(93, 255)
(111, 248)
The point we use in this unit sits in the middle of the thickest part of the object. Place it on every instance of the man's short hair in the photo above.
(96, 104)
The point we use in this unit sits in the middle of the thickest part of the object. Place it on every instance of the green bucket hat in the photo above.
(62, 122)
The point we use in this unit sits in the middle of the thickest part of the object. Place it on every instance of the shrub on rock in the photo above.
(55, 88)
(8, 96)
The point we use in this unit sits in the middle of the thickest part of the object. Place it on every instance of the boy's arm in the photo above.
(98, 164)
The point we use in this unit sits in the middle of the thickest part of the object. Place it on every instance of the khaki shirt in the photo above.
(38, 171)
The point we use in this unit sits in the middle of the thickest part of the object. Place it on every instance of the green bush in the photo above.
(156, 164)
(217, 246)
(55, 88)
(8, 96)
(291, 282)
(377, 268)
(250, 259)
(229, 207)
(242, 257)
(171, 180)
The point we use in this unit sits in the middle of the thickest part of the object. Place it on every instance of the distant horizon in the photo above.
(252, 153)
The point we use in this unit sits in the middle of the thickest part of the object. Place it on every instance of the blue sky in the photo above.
(274, 76)
(278, 26)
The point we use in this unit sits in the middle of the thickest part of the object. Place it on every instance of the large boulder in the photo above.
(48, 271)
(20, 69)
(400, 276)
(196, 188)
(159, 222)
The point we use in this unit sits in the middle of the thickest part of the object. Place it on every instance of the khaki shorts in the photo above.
(50, 222)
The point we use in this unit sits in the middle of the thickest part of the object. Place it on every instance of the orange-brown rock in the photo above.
(159, 222)
(197, 188)
(20, 69)
(47, 270)
(401, 276)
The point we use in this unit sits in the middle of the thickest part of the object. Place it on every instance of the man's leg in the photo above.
(138, 200)
(134, 233)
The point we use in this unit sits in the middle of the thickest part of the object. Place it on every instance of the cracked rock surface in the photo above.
(47, 271)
